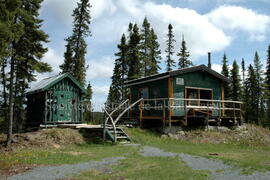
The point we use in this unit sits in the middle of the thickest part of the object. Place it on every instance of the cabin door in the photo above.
(63, 113)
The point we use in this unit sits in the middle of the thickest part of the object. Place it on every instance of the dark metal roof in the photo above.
(177, 72)
(46, 83)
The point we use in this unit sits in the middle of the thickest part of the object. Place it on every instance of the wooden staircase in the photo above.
(111, 127)
(121, 136)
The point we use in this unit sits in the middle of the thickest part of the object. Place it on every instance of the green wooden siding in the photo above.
(199, 80)
(63, 104)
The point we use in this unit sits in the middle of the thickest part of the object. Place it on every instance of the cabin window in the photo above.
(156, 93)
(199, 93)
(144, 93)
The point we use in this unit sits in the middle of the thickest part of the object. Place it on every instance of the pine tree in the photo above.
(170, 48)
(183, 55)
(267, 87)
(236, 82)
(76, 45)
(225, 72)
(259, 93)
(251, 115)
(155, 52)
(134, 62)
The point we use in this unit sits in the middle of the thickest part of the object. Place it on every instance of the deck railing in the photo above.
(219, 108)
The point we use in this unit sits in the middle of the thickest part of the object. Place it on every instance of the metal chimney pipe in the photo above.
(209, 60)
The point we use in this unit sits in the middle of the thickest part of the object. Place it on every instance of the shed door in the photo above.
(63, 113)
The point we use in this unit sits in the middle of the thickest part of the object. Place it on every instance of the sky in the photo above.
(235, 27)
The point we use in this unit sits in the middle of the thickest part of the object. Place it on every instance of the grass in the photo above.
(241, 154)
(66, 155)
(251, 154)
(136, 166)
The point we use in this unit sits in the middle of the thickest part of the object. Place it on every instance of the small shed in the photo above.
(177, 95)
(55, 100)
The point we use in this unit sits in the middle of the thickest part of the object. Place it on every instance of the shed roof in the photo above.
(177, 72)
(46, 83)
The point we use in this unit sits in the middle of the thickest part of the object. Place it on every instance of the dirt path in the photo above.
(62, 171)
(217, 168)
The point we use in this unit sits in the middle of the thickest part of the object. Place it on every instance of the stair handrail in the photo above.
(113, 124)
(117, 108)
(132, 105)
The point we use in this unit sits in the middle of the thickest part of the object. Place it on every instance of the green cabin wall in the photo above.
(65, 106)
(197, 79)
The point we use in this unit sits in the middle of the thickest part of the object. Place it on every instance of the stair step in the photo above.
(122, 137)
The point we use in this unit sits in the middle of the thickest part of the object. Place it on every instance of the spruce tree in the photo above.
(88, 103)
(267, 87)
(76, 45)
(225, 72)
(170, 49)
(145, 46)
(236, 82)
(115, 88)
(251, 114)
(259, 93)
(183, 61)
(243, 68)
(155, 54)
(134, 62)
(29, 51)
(122, 61)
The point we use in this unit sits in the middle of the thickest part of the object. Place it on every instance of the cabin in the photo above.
(188, 96)
(55, 100)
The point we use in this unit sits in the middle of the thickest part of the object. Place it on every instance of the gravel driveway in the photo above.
(62, 171)
(217, 168)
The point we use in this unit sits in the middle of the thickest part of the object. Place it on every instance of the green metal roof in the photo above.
(46, 83)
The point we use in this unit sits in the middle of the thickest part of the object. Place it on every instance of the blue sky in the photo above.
(237, 27)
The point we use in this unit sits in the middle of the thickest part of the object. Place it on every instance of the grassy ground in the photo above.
(251, 152)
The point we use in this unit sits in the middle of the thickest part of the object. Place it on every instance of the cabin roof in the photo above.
(175, 73)
(46, 83)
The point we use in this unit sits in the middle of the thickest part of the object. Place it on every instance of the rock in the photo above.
(211, 128)
(164, 136)
(173, 136)
(172, 130)
(241, 128)
(223, 129)
(181, 133)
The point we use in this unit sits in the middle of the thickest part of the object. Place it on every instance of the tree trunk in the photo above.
(10, 123)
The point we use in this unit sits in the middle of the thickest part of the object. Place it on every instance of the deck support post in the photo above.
(164, 114)
(170, 114)
(141, 113)
(185, 106)
(45, 108)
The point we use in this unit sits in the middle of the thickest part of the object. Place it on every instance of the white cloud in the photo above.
(100, 68)
(237, 18)
(217, 67)
(101, 90)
